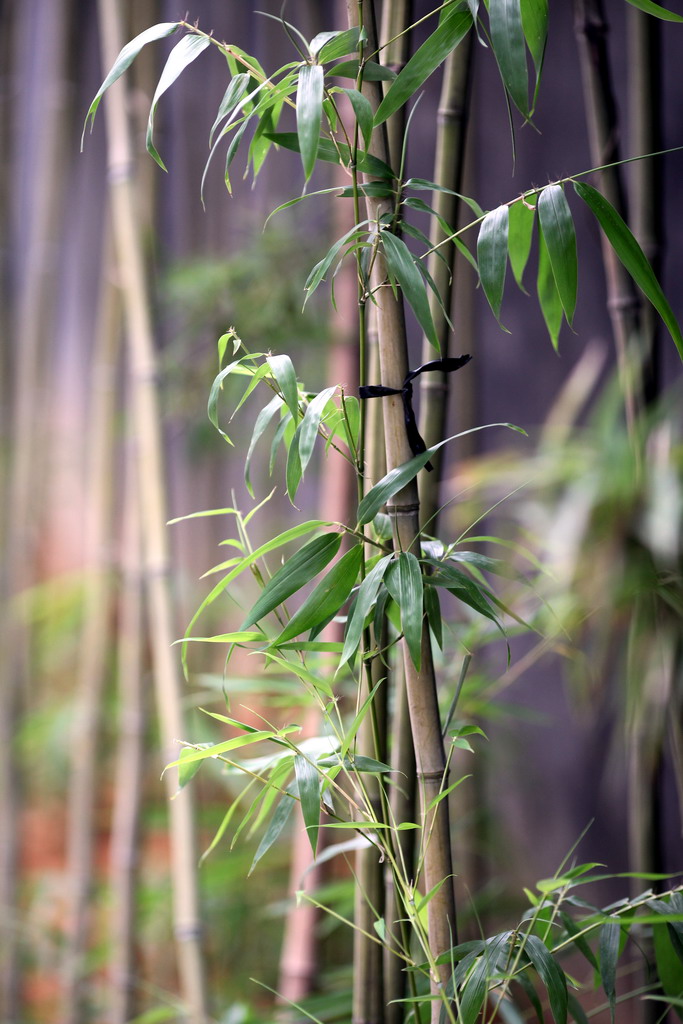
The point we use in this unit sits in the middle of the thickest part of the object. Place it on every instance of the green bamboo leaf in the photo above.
(327, 598)
(551, 974)
(673, 911)
(319, 271)
(283, 428)
(548, 295)
(231, 97)
(283, 372)
(462, 587)
(433, 610)
(309, 105)
(475, 988)
(187, 769)
(655, 10)
(576, 1009)
(508, 43)
(422, 184)
(293, 471)
(334, 152)
(492, 252)
(494, 565)
(610, 934)
(262, 420)
(367, 595)
(520, 230)
(362, 108)
(311, 423)
(182, 54)
(331, 45)
(453, 28)
(372, 71)
(402, 266)
(124, 61)
(669, 965)
(216, 749)
(308, 782)
(238, 636)
(404, 582)
(277, 824)
(297, 571)
(535, 26)
(557, 226)
(631, 255)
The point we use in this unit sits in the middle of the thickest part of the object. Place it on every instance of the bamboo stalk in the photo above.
(647, 205)
(39, 196)
(449, 162)
(404, 513)
(396, 17)
(82, 800)
(130, 758)
(153, 518)
(603, 134)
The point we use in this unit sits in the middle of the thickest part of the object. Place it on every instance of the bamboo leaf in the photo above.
(192, 755)
(331, 45)
(422, 184)
(283, 372)
(350, 733)
(453, 28)
(372, 71)
(631, 255)
(308, 782)
(404, 583)
(327, 598)
(367, 595)
(520, 231)
(311, 423)
(610, 934)
(297, 571)
(124, 61)
(232, 96)
(475, 988)
(187, 769)
(309, 105)
(492, 252)
(551, 974)
(182, 54)
(402, 266)
(262, 420)
(318, 272)
(655, 10)
(507, 40)
(362, 108)
(277, 824)
(433, 610)
(293, 471)
(548, 295)
(535, 26)
(557, 226)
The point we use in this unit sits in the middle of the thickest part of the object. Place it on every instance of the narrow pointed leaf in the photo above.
(402, 267)
(655, 10)
(551, 974)
(297, 571)
(509, 47)
(319, 271)
(631, 255)
(332, 153)
(477, 984)
(311, 423)
(535, 26)
(433, 610)
(557, 225)
(124, 61)
(610, 933)
(182, 54)
(492, 253)
(453, 28)
(293, 471)
(520, 231)
(372, 71)
(232, 96)
(331, 45)
(309, 793)
(404, 583)
(284, 374)
(262, 420)
(327, 598)
(350, 734)
(367, 595)
(275, 827)
(362, 108)
(309, 105)
(548, 295)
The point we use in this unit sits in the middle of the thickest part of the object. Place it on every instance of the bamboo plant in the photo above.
(387, 567)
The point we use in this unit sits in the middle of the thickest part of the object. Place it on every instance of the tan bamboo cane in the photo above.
(404, 513)
(95, 639)
(145, 412)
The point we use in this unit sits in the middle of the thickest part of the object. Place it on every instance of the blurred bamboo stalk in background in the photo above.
(84, 778)
(623, 302)
(151, 484)
(37, 203)
(130, 756)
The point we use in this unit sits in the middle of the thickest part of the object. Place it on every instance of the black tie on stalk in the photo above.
(447, 365)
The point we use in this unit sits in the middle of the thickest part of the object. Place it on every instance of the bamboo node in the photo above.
(403, 510)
